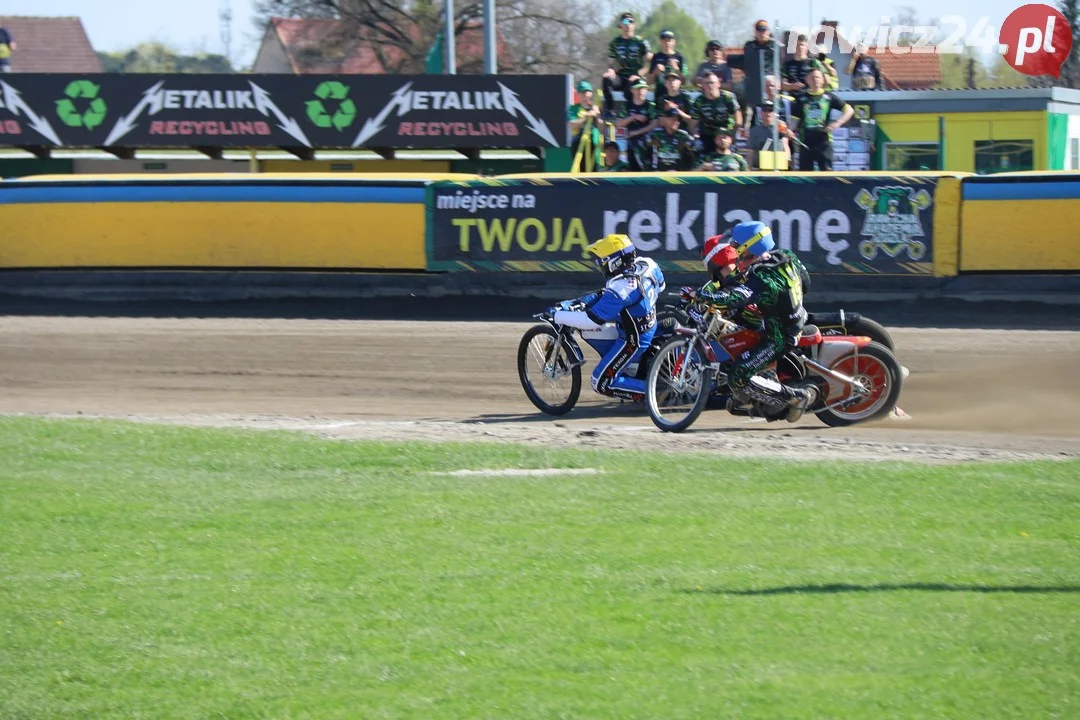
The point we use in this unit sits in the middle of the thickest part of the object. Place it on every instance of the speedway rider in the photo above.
(631, 289)
(771, 281)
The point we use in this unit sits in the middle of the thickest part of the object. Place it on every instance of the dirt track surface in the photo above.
(971, 395)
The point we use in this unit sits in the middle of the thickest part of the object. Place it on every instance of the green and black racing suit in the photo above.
(774, 288)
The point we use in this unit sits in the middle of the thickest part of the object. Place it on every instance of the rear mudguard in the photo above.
(832, 349)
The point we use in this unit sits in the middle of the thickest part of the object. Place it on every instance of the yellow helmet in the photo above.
(613, 254)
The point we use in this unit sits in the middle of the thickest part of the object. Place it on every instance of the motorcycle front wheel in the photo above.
(550, 376)
(678, 385)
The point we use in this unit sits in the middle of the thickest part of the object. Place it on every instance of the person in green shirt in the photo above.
(584, 119)
(668, 147)
(722, 159)
(629, 56)
(612, 161)
(712, 111)
(811, 118)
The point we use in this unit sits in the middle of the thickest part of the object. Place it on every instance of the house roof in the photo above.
(911, 71)
(317, 47)
(50, 45)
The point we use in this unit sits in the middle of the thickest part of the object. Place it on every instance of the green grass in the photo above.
(165, 572)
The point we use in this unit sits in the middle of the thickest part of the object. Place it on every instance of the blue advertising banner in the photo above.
(864, 224)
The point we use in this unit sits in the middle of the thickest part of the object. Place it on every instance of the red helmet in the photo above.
(718, 252)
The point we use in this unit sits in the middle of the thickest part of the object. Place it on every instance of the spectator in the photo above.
(716, 63)
(7, 46)
(761, 135)
(722, 159)
(828, 70)
(797, 66)
(584, 118)
(639, 119)
(674, 97)
(714, 110)
(783, 102)
(758, 59)
(667, 60)
(629, 55)
(669, 147)
(811, 111)
(864, 69)
(612, 161)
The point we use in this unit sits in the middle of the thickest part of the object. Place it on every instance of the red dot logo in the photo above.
(1037, 40)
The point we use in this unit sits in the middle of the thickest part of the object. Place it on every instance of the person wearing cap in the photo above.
(715, 62)
(629, 56)
(584, 117)
(612, 160)
(761, 134)
(668, 147)
(722, 159)
(639, 119)
(811, 112)
(759, 57)
(674, 97)
(667, 60)
(712, 111)
(782, 102)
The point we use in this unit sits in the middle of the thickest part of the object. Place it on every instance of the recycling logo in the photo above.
(338, 94)
(86, 93)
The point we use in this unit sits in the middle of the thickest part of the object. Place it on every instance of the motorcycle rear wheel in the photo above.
(878, 371)
(552, 384)
(675, 398)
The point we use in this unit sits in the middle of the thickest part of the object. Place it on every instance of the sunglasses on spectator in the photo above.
(762, 28)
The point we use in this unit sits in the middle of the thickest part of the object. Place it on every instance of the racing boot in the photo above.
(804, 398)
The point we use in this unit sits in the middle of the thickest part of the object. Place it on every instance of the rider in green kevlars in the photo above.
(771, 282)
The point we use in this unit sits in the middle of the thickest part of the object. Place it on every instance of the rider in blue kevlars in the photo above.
(628, 299)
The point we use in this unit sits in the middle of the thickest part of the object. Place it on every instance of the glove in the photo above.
(687, 293)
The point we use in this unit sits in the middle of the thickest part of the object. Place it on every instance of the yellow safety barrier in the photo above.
(1020, 222)
(331, 221)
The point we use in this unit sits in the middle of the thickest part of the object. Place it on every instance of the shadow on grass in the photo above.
(834, 588)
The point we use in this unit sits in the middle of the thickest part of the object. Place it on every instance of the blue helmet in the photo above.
(752, 239)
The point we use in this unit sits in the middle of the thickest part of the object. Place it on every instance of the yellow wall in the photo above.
(946, 237)
(963, 129)
(997, 235)
(207, 234)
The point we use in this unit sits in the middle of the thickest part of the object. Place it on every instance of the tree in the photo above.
(155, 57)
(1070, 71)
(538, 35)
(688, 31)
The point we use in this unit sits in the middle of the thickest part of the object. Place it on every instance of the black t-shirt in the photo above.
(662, 58)
(722, 70)
(682, 100)
(866, 74)
(643, 114)
(797, 70)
